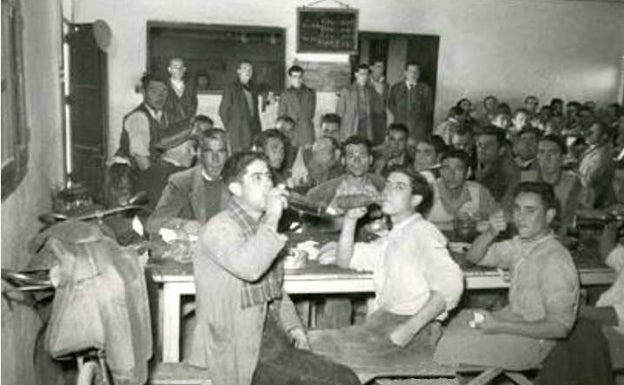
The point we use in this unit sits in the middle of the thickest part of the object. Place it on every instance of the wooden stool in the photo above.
(486, 375)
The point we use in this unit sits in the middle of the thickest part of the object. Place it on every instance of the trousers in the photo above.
(280, 363)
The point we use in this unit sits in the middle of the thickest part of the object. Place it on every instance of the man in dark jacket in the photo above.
(239, 109)
(411, 103)
(299, 102)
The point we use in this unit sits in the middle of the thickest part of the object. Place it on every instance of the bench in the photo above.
(164, 373)
(426, 370)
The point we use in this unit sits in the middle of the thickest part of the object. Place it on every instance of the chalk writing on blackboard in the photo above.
(327, 30)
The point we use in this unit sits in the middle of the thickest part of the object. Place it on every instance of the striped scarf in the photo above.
(269, 286)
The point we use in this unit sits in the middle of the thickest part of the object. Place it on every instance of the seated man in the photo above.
(447, 128)
(495, 170)
(427, 157)
(596, 164)
(566, 184)
(272, 143)
(464, 139)
(455, 196)
(193, 196)
(330, 128)
(416, 281)
(322, 163)
(394, 151)
(543, 294)
(357, 159)
(286, 125)
(525, 148)
(245, 318)
(584, 357)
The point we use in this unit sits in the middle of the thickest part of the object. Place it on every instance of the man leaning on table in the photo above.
(543, 293)
(246, 319)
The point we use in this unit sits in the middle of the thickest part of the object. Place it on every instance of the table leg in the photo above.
(171, 323)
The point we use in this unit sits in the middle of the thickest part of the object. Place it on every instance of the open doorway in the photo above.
(396, 49)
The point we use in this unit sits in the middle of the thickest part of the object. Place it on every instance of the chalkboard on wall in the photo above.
(323, 30)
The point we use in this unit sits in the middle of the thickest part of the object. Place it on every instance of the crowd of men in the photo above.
(488, 167)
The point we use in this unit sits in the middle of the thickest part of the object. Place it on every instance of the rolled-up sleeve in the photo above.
(137, 127)
(443, 274)
(499, 254)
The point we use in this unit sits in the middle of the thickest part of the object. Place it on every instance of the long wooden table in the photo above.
(177, 280)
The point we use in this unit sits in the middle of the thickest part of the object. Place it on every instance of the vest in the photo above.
(158, 130)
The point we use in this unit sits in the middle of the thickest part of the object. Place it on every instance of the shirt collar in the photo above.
(415, 217)
(535, 241)
(206, 177)
(155, 114)
(408, 84)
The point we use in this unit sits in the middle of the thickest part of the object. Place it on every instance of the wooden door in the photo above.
(88, 100)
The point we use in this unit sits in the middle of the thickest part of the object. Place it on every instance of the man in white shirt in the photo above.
(416, 281)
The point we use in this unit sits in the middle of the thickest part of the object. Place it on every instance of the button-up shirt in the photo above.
(407, 264)
(544, 280)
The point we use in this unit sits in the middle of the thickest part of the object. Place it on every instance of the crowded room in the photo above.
(321, 192)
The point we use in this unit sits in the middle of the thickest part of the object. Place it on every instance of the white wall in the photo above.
(42, 38)
(505, 47)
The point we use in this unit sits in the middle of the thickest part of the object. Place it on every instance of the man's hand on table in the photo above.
(327, 253)
(299, 339)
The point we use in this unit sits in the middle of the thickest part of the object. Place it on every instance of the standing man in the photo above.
(144, 130)
(354, 106)
(379, 101)
(411, 103)
(299, 102)
(250, 331)
(239, 108)
(182, 97)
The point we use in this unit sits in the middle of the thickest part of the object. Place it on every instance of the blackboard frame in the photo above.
(351, 12)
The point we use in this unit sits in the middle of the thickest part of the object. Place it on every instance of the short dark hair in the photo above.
(556, 100)
(528, 129)
(543, 189)
(400, 127)
(438, 144)
(236, 165)
(362, 66)
(521, 110)
(531, 97)
(455, 111)
(295, 68)
(285, 118)
(331, 118)
(244, 61)
(358, 141)
(419, 186)
(456, 154)
(556, 139)
(573, 103)
(262, 138)
(498, 133)
(411, 63)
(151, 77)
(490, 97)
(503, 108)
(211, 133)
(202, 119)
